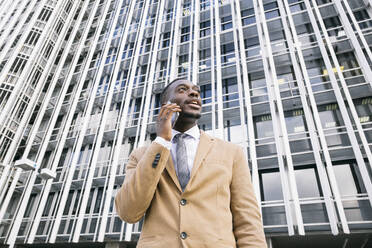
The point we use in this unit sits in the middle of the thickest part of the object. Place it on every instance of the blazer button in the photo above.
(183, 235)
(183, 202)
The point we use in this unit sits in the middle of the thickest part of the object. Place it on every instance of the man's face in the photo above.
(187, 96)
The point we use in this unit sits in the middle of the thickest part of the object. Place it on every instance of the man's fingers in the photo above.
(161, 112)
(170, 111)
(166, 110)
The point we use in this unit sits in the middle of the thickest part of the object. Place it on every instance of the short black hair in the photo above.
(163, 94)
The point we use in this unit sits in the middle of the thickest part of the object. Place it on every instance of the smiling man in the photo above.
(194, 190)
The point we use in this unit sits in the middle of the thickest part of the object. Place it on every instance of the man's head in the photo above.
(185, 94)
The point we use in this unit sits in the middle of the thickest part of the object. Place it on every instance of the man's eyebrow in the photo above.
(185, 85)
(180, 85)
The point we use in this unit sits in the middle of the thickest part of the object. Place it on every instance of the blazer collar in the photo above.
(204, 146)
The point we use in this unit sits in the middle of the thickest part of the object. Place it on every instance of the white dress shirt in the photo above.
(191, 142)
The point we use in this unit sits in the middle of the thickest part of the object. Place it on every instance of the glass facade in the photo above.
(80, 81)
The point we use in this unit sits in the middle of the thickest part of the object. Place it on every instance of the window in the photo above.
(30, 205)
(59, 26)
(166, 39)
(226, 22)
(295, 121)
(263, 126)
(364, 109)
(350, 183)
(330, 115)
(19, 63)
(68, 202)
(185, 36)
(205, 28)
(45, 14)
(204, 54)
(348, 179)
(87, 210)
(206, 93)
(48, 204)
(97, 204)
(270, 185)
(307, 182)
(227, 48)
(204, 4)
(230, 92)
(183, 63)
(271, 10)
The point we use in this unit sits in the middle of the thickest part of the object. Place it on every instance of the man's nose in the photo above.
(193, 93)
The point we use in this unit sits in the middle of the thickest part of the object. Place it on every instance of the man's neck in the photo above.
(184, 126)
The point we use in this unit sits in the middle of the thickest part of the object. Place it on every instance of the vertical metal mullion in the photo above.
(101, 129)
(248, 105)
(69, 212)
(190, 42)
(44, 104)
(350, 33)
(358, 30)
(280, 138)
(19, 86)
(4, 115)
(123, 120)
(171, 47)
(80, 138)
(150, 78)
(116, 150)
(313, 136)
(238, 62)
(91, 211)
(319, 127)
(21, 208)
(368, 3)
(8, 10)
(13, 180)
(47, 186)
(195, 40)
(8, 40)
(220, 127)
(22, 205)
(340, 101)
(212, 73)
(176, 40)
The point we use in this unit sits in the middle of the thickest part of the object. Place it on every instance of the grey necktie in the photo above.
(183, 172)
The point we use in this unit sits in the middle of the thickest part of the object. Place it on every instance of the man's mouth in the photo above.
(194, 104)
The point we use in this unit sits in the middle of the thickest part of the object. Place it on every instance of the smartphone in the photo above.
(174, 115)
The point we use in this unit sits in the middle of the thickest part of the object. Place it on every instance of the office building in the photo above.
(288, 80)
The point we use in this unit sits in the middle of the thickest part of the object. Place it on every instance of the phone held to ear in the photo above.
(174, 115)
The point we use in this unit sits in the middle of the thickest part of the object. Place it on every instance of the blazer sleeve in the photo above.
(247, 223)
(141, 179)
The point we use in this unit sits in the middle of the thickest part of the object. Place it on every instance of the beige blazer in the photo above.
(217, 209)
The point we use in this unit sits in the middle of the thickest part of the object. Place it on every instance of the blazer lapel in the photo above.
(205, 144)
(172, 172)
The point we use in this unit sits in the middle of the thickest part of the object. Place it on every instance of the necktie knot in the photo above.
(179, 137)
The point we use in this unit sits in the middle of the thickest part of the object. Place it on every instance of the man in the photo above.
(194, 189)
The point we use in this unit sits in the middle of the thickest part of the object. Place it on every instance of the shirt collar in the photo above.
(194, 132)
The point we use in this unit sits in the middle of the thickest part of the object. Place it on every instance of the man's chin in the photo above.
(191, 115)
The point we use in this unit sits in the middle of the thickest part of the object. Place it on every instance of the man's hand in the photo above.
(164, 122)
